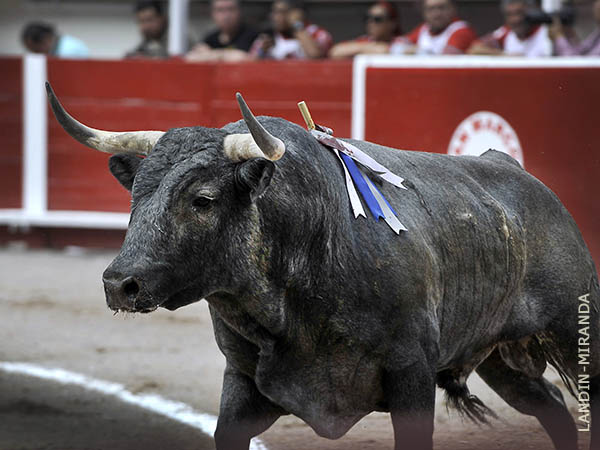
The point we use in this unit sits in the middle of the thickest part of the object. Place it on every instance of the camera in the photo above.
(566, 16)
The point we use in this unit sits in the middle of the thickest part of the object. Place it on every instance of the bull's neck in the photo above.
(272, 315)
(303, 239)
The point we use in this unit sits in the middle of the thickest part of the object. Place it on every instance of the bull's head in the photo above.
(193, 209)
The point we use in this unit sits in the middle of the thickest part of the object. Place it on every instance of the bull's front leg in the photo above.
(244, 412)
(410, 393)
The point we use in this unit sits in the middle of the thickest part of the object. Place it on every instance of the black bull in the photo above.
(329, 317)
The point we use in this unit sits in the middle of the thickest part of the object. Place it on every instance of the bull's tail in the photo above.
(460, 398)
(560, 347)
(554, 357)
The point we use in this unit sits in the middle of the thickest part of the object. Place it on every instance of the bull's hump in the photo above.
(500, 157)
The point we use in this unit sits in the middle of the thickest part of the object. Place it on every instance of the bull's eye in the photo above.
(201, 202)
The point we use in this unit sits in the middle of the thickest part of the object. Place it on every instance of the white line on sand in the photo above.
(177, 411)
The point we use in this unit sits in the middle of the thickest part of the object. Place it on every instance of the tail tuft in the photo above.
(459, 397)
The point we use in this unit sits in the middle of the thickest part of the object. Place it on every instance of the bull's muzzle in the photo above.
(126, 293)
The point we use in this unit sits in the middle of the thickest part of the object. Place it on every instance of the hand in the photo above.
(556, 30)
(294, 16)
(479, 48)
(266, 42)
(234, 55)
(411, 50)
(200, 52)
(135, 55)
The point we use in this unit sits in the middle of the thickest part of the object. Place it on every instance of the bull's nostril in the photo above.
(130, 287)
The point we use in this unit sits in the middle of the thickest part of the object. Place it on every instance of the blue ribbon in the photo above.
(362, 187)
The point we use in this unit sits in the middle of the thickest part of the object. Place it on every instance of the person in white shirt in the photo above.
(40, 37)
(518, 36)
(441, 33)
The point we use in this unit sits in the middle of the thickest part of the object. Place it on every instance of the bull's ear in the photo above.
(124, 167)
(253, 176)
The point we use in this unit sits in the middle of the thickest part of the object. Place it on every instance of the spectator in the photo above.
(232, 39)
(39, 37)
(565, 41)
(518, 36)
(152, 24)
(292, 37)
(382, 28)
(441, 33)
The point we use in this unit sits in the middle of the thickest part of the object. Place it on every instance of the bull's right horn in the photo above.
(135, 142)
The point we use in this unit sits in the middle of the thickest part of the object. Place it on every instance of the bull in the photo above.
(328, 317)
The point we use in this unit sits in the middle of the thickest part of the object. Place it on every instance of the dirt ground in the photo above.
(52, 313)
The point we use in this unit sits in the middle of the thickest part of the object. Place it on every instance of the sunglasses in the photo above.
(375, 19)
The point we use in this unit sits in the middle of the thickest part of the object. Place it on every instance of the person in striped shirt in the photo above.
(292, 36)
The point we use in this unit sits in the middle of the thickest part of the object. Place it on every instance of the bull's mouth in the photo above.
(181, 298)
(134, 309)
(175, 303)
(148, 302)
(126, 295)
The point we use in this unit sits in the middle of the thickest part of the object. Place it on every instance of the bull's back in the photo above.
(508, 255)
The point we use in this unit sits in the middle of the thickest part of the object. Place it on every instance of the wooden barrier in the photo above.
(10, 131)
(417, 104)
(138, 95)
(548, 109)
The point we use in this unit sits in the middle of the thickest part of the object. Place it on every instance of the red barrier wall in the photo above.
(553, 112)
(10, 132)
(137, 95)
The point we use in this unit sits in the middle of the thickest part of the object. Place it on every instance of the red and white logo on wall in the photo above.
(484, 130)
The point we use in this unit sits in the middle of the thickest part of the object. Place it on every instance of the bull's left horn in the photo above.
(272, 147)
(136, 142)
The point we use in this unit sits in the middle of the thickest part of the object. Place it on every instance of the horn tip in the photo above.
(241, 102)
(49, 89)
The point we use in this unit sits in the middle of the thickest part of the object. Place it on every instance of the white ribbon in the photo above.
(357, 208)
(360, 156)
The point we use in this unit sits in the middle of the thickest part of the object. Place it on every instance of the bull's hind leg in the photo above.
(532, 396)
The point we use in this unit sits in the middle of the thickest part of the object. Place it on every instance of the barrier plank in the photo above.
(551, 110)
(137, 95)
(11, 130)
